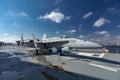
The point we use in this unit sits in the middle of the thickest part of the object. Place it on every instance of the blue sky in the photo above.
(94, 20)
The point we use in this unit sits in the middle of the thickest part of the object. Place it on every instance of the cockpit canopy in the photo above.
(64, 36)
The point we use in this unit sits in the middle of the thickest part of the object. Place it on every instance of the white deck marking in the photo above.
(100, 55)
(73, 61)
(105, 67)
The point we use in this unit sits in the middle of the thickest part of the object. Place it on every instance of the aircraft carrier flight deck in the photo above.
(19, 64)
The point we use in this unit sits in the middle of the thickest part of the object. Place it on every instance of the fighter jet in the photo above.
(46, 44)
(27, 42)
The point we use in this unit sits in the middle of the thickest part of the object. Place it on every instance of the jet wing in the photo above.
(51, 44)
(48, 43)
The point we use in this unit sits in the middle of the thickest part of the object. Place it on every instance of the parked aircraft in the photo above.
(27, 42)
(46, 44)
(71, 42)
(60, 42)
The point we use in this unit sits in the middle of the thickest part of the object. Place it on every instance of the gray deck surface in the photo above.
(19, 64)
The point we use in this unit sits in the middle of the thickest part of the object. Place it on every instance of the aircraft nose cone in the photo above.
(96, 45)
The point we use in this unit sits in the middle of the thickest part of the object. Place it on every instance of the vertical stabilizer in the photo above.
(33, 37)
(22, 40)
(22, 37)
(35, 40)
(44, 37)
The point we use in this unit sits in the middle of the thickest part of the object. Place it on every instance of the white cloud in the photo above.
(10, 12)
(101, 32)
(21, 14)
(67, 17)
(110, 9)
(81, 36)
(57, 9)
(109, 40)
(5, 34)
(58, 1)
(15, 24)
(80, 25)
(107, 35)
(6, 37)
(57, 32)
(87, 15)
(54, 16)
(118, 37)
(113, 10)
(100, 22)
(10, 39)
(118, 26)
(72, 31)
